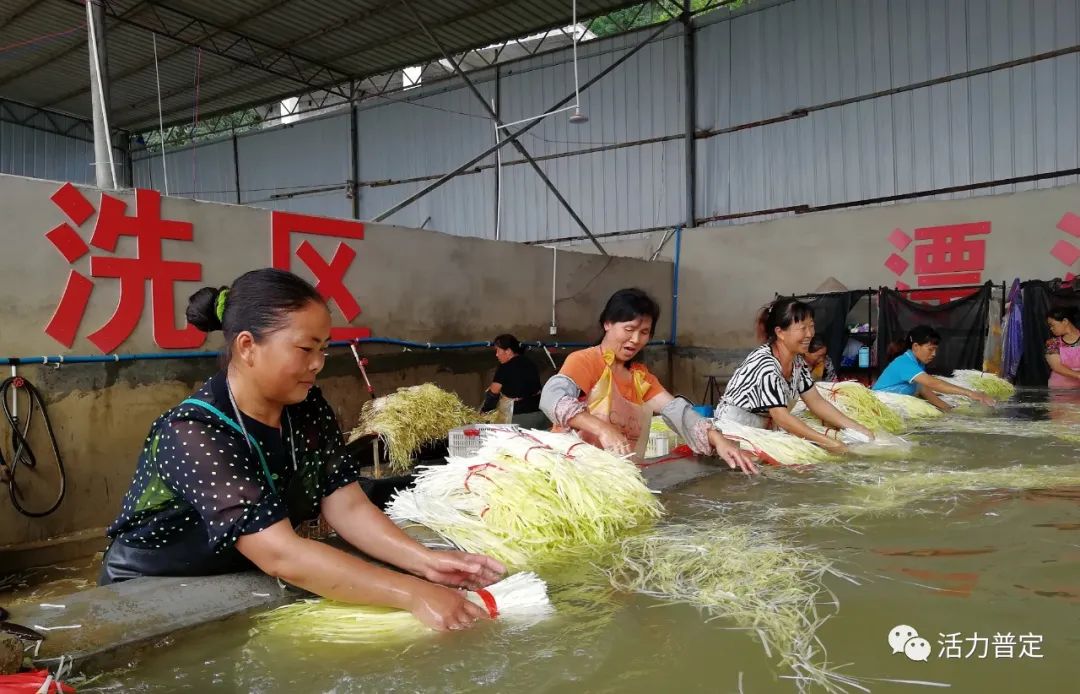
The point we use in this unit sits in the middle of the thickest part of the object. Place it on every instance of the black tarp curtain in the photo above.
(1039, 297)
(830, 318)
(962, 325)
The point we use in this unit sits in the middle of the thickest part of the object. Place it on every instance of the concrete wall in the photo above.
(728, 273)
(410, 284)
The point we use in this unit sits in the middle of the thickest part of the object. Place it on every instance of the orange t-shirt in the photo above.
(586, 366)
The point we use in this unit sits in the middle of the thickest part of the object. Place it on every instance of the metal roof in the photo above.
(222, 56)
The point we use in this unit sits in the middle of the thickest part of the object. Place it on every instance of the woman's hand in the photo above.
(864, 431)
(461, 569)
(613, 440)
(731, 454)
(983, 398)
(444, 609)
(834, 446)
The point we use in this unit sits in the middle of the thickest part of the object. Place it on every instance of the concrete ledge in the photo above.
(115, 620)
(52, 550)
(127, 615)
(676, 473)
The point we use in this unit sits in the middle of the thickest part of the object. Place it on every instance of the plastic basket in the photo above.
(660, 444)
(465, 441)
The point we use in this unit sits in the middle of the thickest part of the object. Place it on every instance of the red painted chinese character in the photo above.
(946, 256)
(149, 231)
(1064, 251)
(329, 276)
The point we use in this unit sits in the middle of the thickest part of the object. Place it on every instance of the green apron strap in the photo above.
(232, 423)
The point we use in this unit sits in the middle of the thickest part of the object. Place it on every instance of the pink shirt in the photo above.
(1070, 357)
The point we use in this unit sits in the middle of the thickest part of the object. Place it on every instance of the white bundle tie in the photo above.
(521, 595)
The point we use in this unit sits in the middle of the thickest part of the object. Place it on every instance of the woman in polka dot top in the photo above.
(225, 476)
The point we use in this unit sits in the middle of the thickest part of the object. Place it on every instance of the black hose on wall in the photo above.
(23, 454)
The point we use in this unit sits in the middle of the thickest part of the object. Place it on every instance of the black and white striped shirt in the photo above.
(759, 385)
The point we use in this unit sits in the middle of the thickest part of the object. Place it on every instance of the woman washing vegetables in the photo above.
(225, 476)
(906, 373)
(774, 376)
(609, 398)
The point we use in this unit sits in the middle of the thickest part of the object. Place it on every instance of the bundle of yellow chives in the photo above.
(988, 383)
(530, 499)
(411, 418)
(774, 447)
(858, 402)
(518, 597)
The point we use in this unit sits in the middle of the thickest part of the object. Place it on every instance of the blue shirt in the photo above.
(899, 376)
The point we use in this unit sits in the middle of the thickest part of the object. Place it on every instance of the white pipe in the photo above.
(550, 358)
(498, 178)
(161, 124)
(14, 396)
(542, 115)
(554, 274)
(100, 80)
(577, 90)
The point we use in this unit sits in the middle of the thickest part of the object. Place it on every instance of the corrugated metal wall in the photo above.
(300, 168)
(407, 136)
(773, 58)
(206, 172)
(614, 189)
(1008, 123)
(31, 146)
(39, 154)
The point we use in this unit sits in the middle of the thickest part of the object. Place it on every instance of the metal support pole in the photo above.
(495, 116)
(497, 106)
(690, 78)
(354, 148)
(512, 137)
(129, 164)
(104, 166)
(236, 167)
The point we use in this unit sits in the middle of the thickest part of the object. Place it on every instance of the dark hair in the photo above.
(258, 302)
(508, 341)
(921, 335)
(818, 342)
(781, 314)
(627, 305)
(1062, 312)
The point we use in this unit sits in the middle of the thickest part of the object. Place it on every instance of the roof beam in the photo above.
(17, 13)
(390, 39)
(162, 58)
(512, 136)
(344, 24)
(495, 116)
(209, 31)
(80, 45)
(393, 38)
(329, 85)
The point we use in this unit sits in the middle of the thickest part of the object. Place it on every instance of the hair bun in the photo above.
(202, 309)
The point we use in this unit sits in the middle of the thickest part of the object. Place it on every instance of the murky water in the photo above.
(998, 569)
(39, 584)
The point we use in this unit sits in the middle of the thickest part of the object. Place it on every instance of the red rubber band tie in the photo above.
(489, 602)
(570, 451)
(476, 470)
(531, 449)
